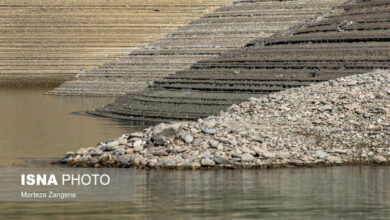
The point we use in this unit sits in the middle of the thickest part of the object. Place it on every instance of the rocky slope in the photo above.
(351, 41)
(343, 121)
(228, 28)
(50, 41)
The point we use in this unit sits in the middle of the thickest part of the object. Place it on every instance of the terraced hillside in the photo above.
(351, 42)
(228, 28)
(50, 41)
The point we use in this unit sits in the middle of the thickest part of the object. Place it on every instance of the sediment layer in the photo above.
(353, 41)
(343, 121)
(49, 42)
(228, 28)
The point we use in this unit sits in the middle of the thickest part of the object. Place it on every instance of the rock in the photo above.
(82, 151)
(136, 135)
(138, 147)
(252, 99)
(166, 129)
(247, 158)
(129, 151)
(209, 131)
(335, 160)
(137, 143)
(257, 139)
(221, 160)
(196, 165)
(267, 154)
(340, 151)
(321, 154)
(69, 154)
(159, 140)
(187, 139)
(124, 160)
(283, 155)
(213, 143)
(378, 159)
(113, 143)
(207, 162)
(123, 141)
(188, 157)
(160, 153)
(170, 163)
(108, 148)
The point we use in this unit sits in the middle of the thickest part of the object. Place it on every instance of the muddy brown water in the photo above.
(36, 128)
(359, 192)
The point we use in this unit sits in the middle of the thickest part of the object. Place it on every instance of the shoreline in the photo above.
(339, 122)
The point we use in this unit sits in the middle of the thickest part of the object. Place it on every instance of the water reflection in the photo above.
(324, 193)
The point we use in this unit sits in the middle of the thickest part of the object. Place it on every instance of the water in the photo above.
(41, 127)
(36, 127)
(324, 193)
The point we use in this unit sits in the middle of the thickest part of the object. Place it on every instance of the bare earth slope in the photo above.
(343, 121)
(50, 41)
(228, 28)
(351, 42)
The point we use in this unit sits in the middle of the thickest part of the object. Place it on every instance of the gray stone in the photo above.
(187, 138)
(170, 163)
(283, 155)
(159, 140)
(267, 154)
(321, 154)
(247, 157)
(257, 139)
(113, 143)
(340, 151)
(221, 160)
(69, 154)
(137, 143)
(207, 162)
(378, 159)
(333, 159)
(213, 143)
(209, 131)
(125, 160)
(138, 148)
(252, 99)
(166, 129)
(119, 151)
(160, 153)
(108, 148)
(136, 135)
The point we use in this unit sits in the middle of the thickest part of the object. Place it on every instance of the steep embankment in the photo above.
(50, 41)
(343, 121)
(228, 28)
(351, 42)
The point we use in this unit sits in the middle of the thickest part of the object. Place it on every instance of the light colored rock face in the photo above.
(288, 128)
(228, 28)
(50, 41)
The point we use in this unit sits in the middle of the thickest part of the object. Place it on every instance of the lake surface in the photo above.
(359, 192)
(35, 127)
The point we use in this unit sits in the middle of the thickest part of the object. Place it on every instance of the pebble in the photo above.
(207, 162)
(378, 159)
(188, 139)
(159, 140)
(213, 143)
(209, 131)
(320, 124)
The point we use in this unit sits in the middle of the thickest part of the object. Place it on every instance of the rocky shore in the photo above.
(342, 121)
